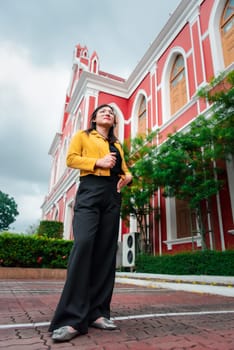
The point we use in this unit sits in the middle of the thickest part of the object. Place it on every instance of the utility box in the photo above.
(128, 250)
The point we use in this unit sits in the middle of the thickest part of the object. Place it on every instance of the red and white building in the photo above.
(195, 45)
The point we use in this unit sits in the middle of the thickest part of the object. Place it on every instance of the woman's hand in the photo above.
(123, 182)
(106, 162)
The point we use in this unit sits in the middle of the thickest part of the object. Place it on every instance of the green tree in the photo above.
(220, 93)
(33, 228)
(136, 199)
(184, 168)
(188, 165)
(8, 211)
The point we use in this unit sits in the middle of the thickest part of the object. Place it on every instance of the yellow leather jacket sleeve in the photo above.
(85, 149)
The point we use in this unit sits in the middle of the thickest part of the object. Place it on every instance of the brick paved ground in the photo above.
(149, 318)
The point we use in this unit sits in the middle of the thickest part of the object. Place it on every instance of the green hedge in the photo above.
(18, 250)
(50, 229)
(192, 263)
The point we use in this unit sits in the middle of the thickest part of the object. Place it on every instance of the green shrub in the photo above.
(17, 250)
(189, 263)
(50, 229)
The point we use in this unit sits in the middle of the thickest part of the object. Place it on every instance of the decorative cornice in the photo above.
(171, 29)
(69, 181)
(96, 82)
(55, 143)
(182, 15)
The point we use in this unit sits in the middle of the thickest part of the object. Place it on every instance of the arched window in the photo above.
(142, 116)
(56, 215)
(182, 223)
(119, 128)
(116, 129)
(178, 93)
(185, 222)
(94, 66)
(62, 159)
(227, 32)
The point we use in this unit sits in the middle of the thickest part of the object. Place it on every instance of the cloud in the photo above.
(29, 197)
(31, 99)
(120, 31)
(37, 39)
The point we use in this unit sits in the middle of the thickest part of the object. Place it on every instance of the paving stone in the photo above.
(33, 302)
(23, 344)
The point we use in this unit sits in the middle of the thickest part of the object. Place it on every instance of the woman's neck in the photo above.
(103, 132)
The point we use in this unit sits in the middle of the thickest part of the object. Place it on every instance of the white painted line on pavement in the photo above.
(24, 325)
(131, 317)
(172, 314)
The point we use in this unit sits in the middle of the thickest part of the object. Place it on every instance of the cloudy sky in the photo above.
(37, 38)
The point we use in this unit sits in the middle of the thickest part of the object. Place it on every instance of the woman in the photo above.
(87, 293)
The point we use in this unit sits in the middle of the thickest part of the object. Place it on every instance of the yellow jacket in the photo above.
(85, 149)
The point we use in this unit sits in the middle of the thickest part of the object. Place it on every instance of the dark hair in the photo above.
(111, 136)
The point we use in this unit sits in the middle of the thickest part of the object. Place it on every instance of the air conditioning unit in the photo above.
(128, 250)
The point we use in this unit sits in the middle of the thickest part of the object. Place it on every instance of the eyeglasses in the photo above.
(106, 111)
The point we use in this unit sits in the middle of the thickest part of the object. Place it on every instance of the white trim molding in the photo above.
(170, 243)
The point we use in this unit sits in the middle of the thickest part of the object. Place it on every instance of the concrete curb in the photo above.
(32, 273)
(219, 285)
(197, 284)
(223, 280)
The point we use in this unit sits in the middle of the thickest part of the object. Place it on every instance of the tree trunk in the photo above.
(201, 227)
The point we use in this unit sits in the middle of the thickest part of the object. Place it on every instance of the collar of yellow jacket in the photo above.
(96, 133)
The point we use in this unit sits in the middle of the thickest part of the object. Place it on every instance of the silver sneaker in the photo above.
(104, 323)
(63, 334)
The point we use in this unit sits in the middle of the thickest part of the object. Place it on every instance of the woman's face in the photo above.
(105, 117)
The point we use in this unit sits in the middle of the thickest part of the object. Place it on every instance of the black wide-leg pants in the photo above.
(90, 278)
